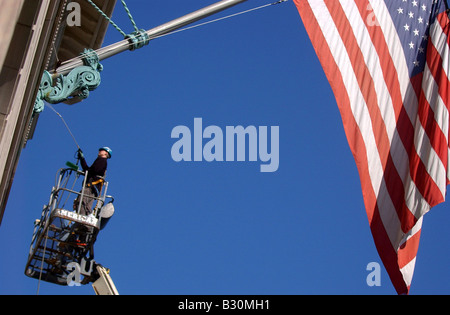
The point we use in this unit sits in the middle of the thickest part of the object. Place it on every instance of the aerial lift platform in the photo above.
(62, 245)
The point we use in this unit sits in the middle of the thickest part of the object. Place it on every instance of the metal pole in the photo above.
(168, 27)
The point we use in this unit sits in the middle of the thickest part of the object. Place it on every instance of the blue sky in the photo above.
(215, 227)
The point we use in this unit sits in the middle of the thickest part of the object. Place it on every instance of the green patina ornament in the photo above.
(77, 84)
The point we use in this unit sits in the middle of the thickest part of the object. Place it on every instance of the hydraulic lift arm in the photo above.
(104, 284)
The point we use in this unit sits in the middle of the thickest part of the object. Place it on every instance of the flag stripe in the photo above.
(431, 116)
(440, 74)
(388, 254)
(394, 68)
(434, 113)
(405, 256)
(383, 241)
(406, 125)
(377, 99)
(395, 117)
(375, 168)
(407, 253)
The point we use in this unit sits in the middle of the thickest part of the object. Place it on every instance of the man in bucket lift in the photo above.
(94, 180)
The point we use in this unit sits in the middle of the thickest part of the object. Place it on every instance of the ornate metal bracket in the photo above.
(75, 85)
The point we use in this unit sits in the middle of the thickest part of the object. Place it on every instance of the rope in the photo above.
(107, 18)
(129, 15)
(42, 262)
(68, 129)
(111, 21)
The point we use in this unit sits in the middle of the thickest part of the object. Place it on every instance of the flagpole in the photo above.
(168, 27)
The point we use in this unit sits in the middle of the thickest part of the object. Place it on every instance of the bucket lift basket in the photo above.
(62, 246)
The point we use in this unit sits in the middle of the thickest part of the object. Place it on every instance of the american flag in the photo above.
(387, 62)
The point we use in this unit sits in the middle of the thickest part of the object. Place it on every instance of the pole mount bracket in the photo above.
(138, 39)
